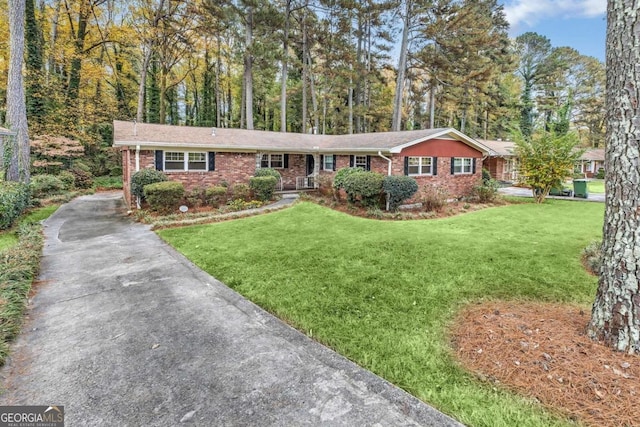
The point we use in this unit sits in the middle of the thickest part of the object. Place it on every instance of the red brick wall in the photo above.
(236, 168)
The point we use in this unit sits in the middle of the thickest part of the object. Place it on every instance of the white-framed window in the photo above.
(185, 161)
(420, 166)
(360, 162)
(462, 165)
(328, 162)
(274, 161)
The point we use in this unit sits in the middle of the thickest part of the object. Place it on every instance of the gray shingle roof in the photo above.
(500, 148)
(224, 139)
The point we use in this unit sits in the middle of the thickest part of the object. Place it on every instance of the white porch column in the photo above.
(316, 170)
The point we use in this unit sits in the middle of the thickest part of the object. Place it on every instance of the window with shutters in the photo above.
(420, 166)
(328, 162)
(360, 162)
(274, 161)
(462, 165)
(185, 161)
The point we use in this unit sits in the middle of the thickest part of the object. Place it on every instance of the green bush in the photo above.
(487, 192)
(18, 269)
(263, 187)
(433, 197)
(241, 191)
(14, 199)
(486, 176)
(215, 196)
(68, 179)
(82, 178)
(196, 197)
(164, 196)
(46, 185)
(145, 177)
(268, 172)
(600, 173)
(592, 257)
(365, 187)
(399, 188)
(342, 174)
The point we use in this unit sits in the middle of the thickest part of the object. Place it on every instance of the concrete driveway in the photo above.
(124, 331)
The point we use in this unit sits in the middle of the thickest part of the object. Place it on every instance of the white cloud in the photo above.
(530, 12)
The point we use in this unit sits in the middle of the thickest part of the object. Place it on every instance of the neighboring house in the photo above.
(590, 162)
(201, 157)
(502, 162)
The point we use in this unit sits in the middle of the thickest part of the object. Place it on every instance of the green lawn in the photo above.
(596, 186)
(9, 238)
(383, 293)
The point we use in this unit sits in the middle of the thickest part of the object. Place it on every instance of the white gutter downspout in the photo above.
(137, 169)
(388, 172)
(388, 160)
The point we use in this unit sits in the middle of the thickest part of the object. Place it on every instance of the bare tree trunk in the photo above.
(615, 317)
(143, 83)
(16, 119)
(285, 67)
(53, 36)
(396, 121)
(218, 91)
(248, 71)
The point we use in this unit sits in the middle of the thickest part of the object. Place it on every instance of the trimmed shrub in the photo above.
(164, 196)
(145, 177)
(365, 187)
(241, 191)
(433, 197)
(600, 173)
(82, 178)
(263, 187)
(68, 179)
(46, 185)
(196, 197)
(342, 174)
(486, 176)
(486, 192)
(14, 199)
(399, 188)
(215, 196)
(268, 172)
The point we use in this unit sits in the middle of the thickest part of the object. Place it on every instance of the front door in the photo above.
(311, 163)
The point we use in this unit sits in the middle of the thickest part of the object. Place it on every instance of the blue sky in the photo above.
(580, 24)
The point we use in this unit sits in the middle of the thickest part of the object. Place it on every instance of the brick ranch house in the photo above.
(202, 157)
(502, 161)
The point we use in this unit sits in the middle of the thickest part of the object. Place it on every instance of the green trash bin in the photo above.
(580, 188)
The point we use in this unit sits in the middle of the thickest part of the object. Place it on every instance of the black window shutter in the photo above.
(368, 163)
(473, 165)
(212, 161)
(406, 165)
(352, 160)
(159, 160)
(286, 161)
(321, 162)
(452, 166)
(335, 160)
(434, 165)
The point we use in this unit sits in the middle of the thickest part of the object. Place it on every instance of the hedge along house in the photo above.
(202, 157)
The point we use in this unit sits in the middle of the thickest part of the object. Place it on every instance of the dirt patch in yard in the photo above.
(541, 351)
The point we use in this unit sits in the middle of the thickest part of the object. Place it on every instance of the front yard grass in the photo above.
(596, 186)
(384, 293)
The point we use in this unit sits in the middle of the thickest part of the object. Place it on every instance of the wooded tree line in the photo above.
(325, 66)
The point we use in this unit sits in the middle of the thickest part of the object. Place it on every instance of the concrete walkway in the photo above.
(124, 331)
(526, 192)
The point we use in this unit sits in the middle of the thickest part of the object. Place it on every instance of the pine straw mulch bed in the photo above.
(541, 351)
